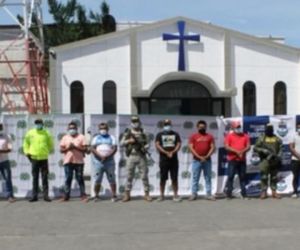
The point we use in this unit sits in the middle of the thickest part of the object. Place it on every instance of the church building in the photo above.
(176, 66)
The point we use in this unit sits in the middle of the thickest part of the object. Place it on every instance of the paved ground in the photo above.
(202, 224)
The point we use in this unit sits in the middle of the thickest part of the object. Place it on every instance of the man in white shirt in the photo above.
(295, 150)
(5, 148)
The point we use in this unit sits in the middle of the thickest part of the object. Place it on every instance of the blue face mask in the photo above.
(167, 128)
(72, 131)
(39, 126)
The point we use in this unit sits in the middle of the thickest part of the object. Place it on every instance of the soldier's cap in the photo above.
(167, 122)
(235, 124)
(38, 121)
(135, 118)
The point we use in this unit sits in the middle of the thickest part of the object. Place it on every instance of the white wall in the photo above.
(265, 65)
(158, 57)
(93, 65)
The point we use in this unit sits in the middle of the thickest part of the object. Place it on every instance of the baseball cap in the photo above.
(38, 121)
(135, 118)
(167, 122)
(235, 124)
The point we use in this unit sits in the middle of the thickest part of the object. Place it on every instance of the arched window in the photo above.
(77, 97)
(280, 99)
(249, 99)
(109, 98)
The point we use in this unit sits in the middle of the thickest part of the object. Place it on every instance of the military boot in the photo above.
(147, 197)
(126, 197)
(275, 195)
(263, 195)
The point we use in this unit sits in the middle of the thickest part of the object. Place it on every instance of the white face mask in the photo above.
(167, 128)
(238, 130)
(135, 125)
(103, 132)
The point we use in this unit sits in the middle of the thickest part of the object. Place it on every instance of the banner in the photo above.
(17, 126)
(185, 126)
(152, 125)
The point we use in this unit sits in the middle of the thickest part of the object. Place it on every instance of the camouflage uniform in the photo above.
(269, 150)
(136, 157)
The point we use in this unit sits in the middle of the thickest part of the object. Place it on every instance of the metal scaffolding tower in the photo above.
(23, 77)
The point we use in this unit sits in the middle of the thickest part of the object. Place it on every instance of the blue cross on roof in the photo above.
(181, 37)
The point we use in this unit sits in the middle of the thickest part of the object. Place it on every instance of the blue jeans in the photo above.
(70, 168)
(197, 167)
(107, 167)
(239, 168)
(6, 173)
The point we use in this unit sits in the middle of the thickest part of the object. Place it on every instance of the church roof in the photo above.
(206, 25)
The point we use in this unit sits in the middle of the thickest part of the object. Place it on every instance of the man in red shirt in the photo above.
(202, 146)
(237, 144)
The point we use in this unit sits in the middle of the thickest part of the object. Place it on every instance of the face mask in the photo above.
(202, 130)
(135, 125)
(72, 131)
(39, 126)
(238, 130)
(269, 131)
(103, 132)
(167, 128)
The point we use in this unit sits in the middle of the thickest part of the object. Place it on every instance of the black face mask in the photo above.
(202, 131)
(269, 131)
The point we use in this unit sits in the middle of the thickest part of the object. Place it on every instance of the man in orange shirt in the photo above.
(73, 145)
(237, 144)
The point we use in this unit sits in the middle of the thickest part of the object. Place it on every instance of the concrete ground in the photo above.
(236, 224)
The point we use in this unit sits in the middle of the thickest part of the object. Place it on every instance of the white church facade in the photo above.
(176, 66)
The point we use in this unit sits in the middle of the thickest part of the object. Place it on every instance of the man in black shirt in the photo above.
(168, 143)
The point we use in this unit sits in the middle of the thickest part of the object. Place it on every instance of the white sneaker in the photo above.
(177, 199)
(160, 198)
(211, 198)
(294, 195)
(114, 199)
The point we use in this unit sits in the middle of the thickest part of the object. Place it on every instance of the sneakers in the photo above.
(11, 199)
(210, 198)
(295, 195)
(114, 199)
(193, 197)
(160, 198)
(84, 198)
(177, 199)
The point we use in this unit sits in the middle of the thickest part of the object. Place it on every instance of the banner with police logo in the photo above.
(284, 128)
(185, 127)
(17, 126)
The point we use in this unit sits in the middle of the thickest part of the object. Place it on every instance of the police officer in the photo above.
(269, 147)
(37, 145)
(136, 144)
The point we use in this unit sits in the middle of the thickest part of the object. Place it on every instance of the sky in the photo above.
(256, 17)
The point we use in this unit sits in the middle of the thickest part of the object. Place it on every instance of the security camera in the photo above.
(52, 53)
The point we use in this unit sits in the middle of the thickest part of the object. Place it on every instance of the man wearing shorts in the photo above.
(168, 143)
(103, 148)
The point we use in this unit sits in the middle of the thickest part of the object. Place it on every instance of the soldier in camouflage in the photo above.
(269, 147)
(136, 144)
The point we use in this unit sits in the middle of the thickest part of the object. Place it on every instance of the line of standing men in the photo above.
(38, 144)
